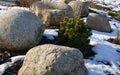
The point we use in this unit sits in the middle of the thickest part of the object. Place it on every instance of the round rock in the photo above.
(80, 8)
(19, 30)
(51, 13)
(51, 59)
(98, 22)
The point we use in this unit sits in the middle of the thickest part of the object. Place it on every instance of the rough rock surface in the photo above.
(98, 22)
(51, 59)
(51, 13)
(79, 8)
(19, 30)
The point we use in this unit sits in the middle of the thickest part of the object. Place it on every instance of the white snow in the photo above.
(107, 58)
(115, 4)
(106, 52)
(99, 68)
(9, 64)
(4, 66)
(99, 12)
(50, 33)
(4, 8)
(16, 58)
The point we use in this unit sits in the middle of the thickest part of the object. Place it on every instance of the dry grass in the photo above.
(93, 5)
(25, 3)
(114, 14)
(118, 37)
(115, 40)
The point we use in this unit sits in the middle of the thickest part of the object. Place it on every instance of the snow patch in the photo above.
(4, 66)
(50, 33)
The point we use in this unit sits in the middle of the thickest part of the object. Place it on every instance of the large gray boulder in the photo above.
(80, 8)
(98, 22)
(19, 30)
(53, 60)
(51, 13)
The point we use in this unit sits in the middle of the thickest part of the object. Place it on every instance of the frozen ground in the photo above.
(107, 58)
(115, 4)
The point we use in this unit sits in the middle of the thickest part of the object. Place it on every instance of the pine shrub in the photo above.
(74, 32)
